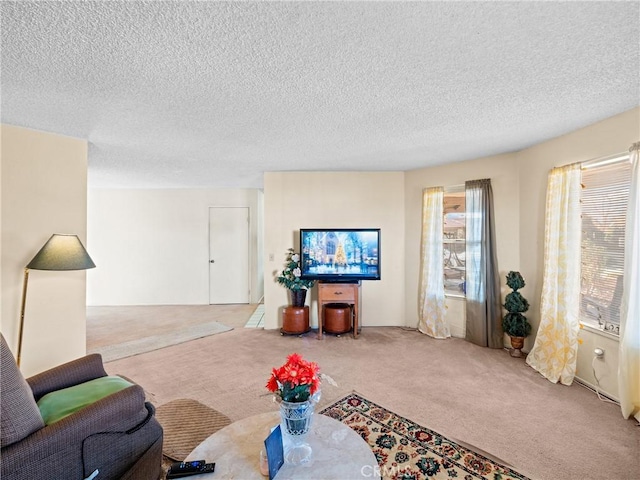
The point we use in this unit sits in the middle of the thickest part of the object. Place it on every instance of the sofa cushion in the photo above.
(19, 414)
(57, 405)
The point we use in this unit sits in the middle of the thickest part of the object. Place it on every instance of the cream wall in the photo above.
(503, 172)
(44, 191)
(153, 244)
(294, 200)
(608, 137)
(260, 246)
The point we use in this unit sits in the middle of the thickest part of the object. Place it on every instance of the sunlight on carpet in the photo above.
(405, 449)
(257, 318)
(156, 342)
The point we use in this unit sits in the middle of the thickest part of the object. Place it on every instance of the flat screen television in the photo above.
(340, 254)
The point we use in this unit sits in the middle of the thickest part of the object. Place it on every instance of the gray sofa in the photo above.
(117, 435)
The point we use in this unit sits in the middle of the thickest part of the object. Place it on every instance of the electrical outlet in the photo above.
(598, 352)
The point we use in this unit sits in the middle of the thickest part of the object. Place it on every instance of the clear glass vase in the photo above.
(296, 420)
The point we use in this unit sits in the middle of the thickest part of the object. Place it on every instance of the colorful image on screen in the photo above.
(340, 253)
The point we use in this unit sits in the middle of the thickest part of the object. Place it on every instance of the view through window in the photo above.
(454, 240)
(605, 195)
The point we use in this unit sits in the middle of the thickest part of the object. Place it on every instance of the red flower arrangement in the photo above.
(296, 380)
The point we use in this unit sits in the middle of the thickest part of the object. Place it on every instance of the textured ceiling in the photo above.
(211, 94)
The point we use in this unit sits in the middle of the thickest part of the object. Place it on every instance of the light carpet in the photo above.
(407, 450)
(156, 342)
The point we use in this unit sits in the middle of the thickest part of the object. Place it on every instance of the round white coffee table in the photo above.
(338, 451)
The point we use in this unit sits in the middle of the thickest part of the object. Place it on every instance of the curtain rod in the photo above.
(454, 188)
(602, 161)
(608, 160)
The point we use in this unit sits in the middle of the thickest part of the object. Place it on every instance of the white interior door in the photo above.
(228, 255)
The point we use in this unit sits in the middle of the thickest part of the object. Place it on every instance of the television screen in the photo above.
(340, 254)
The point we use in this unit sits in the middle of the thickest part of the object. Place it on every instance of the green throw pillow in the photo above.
(57, 405)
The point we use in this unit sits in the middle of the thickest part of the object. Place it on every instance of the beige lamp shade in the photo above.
(62, 252)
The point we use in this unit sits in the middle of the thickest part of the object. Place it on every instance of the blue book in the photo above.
(275, 451)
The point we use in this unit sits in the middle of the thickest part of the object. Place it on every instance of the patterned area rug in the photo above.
(408, 451)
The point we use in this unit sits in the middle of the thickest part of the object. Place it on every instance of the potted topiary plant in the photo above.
(514, 323)
(290, 278)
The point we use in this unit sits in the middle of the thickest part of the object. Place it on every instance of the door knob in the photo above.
(212, 261)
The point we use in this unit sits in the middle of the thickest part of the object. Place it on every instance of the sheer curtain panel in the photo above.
(482, 286)
(555, 349)
(432, 321)
(629, 358)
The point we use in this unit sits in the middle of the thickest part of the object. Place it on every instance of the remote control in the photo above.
(186, 469)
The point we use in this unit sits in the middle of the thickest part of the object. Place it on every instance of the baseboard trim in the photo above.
(596, 390)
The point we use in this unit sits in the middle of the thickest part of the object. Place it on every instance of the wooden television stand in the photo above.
(348, 293)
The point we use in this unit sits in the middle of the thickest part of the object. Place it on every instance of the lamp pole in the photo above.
(22, 307)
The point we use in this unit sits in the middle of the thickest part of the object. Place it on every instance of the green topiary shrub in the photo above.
(514, 323)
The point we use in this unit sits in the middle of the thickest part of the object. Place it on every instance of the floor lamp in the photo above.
(61, 252)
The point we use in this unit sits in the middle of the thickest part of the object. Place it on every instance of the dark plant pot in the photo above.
(517, 343)
(298, 297)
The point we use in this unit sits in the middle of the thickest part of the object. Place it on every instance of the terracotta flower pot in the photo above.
(517, 343)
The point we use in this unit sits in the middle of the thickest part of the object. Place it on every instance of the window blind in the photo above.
(605, 195)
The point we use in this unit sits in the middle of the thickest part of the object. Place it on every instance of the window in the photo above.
(454, 240)
(604, 200)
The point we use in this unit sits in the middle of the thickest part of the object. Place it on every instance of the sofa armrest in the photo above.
(67, 375)
(104, 421)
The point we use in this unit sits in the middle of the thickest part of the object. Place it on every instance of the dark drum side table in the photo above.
(337, 318)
